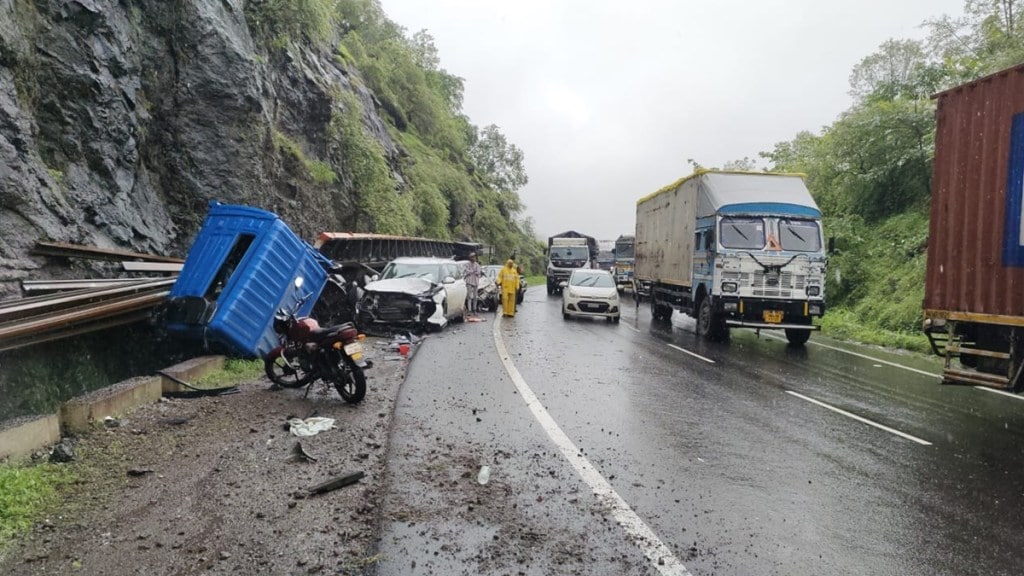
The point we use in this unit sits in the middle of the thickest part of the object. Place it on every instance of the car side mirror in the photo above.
(563, 284)
(448, 280)
(375, 277)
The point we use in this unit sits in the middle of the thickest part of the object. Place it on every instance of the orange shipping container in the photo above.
(976, 241)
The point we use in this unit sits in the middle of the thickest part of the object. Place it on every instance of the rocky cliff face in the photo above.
(121, 119)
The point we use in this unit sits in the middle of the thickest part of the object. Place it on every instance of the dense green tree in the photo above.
(898, 69)
(988, 37)
(499, 161)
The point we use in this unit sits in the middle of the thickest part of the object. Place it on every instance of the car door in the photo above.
(456, 291)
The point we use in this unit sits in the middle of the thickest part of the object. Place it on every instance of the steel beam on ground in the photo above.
(44, 286)
(152, 266)
(96, 253)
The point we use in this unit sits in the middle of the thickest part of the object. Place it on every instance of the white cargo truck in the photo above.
(733, 249)
(566, 252)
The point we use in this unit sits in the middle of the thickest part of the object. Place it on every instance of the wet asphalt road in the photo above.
(731, 464)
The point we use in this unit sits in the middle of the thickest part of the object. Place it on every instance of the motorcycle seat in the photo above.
(323, 333)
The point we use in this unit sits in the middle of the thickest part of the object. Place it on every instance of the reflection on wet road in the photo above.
(745, 457)
(826, 459)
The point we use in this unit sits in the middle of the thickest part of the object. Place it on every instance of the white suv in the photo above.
(414, 292)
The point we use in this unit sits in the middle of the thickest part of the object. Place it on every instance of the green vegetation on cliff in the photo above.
(449, 179)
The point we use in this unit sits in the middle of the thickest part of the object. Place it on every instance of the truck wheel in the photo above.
(551, 289)
(710, 325)
(660, 313)
(797, 337)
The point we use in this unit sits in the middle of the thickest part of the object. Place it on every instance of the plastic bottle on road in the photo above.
(484, 475)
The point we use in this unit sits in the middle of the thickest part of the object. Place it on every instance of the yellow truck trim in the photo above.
(975, 317)
(702, 171)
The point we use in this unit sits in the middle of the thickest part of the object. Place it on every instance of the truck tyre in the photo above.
(710, 324)
(551, 289)
(797, 337)
(660, 313)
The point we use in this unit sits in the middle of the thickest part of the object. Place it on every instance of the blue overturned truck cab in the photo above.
(240, 270)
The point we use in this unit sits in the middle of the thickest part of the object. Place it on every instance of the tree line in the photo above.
(870, 170)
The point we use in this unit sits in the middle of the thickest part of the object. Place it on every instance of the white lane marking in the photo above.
(864, 356)
(661, 557)
(994, 391)
(860, 418)
(637, 330)
(698, 356)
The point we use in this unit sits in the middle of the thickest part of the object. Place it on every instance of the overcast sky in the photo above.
(608, 100)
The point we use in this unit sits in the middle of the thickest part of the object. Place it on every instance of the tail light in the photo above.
(349, 333)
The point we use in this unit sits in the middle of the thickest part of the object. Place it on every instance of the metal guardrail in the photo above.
(80, 319)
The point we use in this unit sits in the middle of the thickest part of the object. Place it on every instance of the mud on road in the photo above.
(213, 486)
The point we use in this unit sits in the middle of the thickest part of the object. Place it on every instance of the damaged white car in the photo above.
(415, 293)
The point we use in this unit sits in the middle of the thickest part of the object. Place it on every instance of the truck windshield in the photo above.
(623, 251)
(799, 235)
(568, 253)
(742, 233)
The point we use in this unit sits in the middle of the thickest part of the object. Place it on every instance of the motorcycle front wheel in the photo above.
(349, 379)
(284, 374)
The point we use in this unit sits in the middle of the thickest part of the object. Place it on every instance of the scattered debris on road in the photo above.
(335, 483)
(310, 426)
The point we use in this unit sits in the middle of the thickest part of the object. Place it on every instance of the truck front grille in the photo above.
(774, 285)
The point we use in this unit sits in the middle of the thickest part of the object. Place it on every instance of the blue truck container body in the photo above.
(240, 270)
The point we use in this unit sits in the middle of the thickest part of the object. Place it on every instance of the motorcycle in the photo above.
(308, 353)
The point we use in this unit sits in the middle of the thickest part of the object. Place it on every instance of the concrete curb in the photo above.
(20, 438)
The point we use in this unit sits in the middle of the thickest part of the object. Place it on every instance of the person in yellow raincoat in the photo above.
(508, 279)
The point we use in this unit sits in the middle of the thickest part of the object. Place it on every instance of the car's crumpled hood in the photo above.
(413, 286)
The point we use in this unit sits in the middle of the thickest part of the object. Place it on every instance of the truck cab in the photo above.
(564, 256)
(733, 249)
(624, 258)
(759, 268)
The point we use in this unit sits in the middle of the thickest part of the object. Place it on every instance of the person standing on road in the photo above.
(473, 271)
(508, 279)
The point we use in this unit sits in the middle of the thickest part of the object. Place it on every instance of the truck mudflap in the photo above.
(767, 325)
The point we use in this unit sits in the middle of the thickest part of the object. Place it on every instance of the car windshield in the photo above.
(568, 253)
(592, 280)
(742, 233)
(410, 270)
(799, 235)
(491, 271)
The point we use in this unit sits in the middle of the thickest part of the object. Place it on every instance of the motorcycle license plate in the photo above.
(354, 350)
(772, 316)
